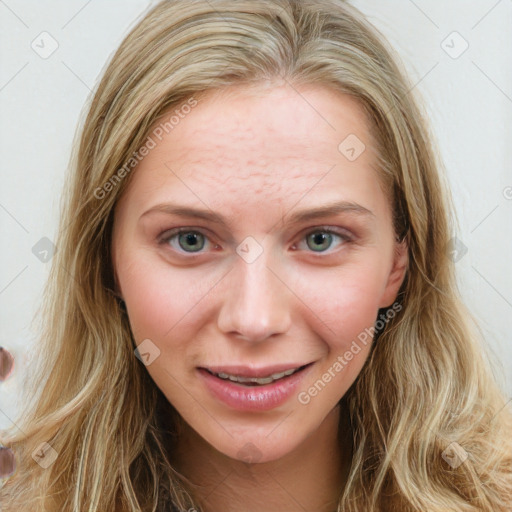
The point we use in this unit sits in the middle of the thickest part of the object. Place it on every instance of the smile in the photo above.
(250, 389)
(257, 381)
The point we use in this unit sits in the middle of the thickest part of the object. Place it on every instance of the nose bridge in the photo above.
(256, 301)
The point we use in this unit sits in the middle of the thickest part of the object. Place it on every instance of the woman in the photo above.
(252, 306)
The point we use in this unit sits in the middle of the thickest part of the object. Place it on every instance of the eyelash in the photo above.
(168, 235)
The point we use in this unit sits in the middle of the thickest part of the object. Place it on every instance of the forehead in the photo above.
(258, 126)
(273, 143)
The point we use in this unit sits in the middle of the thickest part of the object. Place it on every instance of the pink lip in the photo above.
(252, 398)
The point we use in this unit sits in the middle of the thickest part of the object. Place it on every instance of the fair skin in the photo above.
(257, 157)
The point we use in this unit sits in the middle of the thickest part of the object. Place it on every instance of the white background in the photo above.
(468, 99)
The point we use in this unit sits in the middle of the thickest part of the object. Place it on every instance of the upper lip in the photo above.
(249, 371)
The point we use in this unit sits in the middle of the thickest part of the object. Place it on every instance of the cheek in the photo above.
(165, 303)
(343, 303)
(158, 299)
(345, 315)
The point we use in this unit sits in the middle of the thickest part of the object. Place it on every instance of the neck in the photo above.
(311, 477)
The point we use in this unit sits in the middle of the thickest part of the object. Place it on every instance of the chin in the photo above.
(258, 450)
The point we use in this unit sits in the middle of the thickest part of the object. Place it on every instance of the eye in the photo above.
(193, 241)
(322, 239)
(188, 240)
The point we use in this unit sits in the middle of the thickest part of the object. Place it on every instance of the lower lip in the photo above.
(253, 398)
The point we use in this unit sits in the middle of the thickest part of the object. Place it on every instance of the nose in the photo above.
(256, 301)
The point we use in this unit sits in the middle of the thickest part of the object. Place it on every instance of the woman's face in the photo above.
(264, 279)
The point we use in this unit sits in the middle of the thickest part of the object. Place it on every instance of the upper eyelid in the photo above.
(170, 233)
(204, 231)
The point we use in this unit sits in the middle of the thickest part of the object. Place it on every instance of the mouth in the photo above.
(241, 377)
(253, 389)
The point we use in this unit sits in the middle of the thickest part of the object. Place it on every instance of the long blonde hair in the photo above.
(425, 397)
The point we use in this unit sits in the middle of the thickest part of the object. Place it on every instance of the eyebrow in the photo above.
(326, 210)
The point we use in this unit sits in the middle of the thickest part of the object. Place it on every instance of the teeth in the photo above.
(256, 380)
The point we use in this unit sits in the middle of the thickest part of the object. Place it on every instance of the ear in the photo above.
(113, 267)
(117, 288)
(397, 273)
